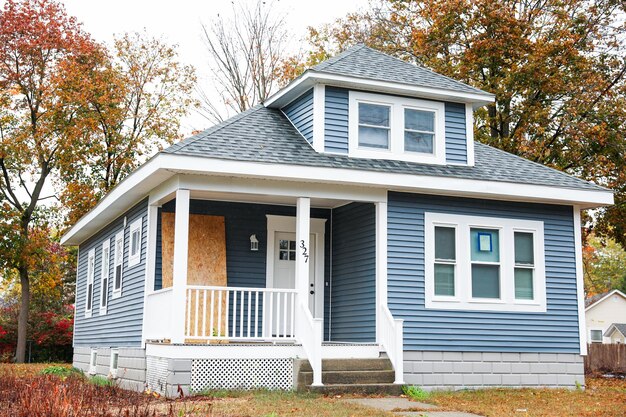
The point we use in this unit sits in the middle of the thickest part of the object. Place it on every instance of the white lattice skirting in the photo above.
(156, 373)
(241, 374)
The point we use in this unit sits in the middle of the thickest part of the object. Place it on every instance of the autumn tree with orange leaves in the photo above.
(556, 67)
(75, 118)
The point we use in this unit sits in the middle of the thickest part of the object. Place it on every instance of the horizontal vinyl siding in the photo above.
(336, 120)
(445, 330)
(354, 274)
(456, 135)
(300, 113)
(122, 324)
(246, 268)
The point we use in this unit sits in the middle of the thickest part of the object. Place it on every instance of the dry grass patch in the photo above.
(601, 398)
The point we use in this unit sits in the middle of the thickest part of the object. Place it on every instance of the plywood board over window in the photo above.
(206, 260)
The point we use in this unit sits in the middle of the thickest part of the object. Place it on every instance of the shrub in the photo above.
(101, 381)
(62, 371)
(415, 393)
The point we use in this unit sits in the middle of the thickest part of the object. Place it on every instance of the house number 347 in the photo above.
(305, 252)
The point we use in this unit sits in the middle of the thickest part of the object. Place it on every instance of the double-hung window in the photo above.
(91, 269)
(134, 256)
(104, 276)
(484, 263)
(118, 261)
(399, 128)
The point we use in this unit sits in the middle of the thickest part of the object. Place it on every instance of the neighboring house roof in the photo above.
(620, 327)
(364, 62)
(598, 298)
(266, 135)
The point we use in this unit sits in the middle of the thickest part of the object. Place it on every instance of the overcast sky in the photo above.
(179, 22)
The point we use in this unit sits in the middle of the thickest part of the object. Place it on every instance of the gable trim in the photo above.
(618, 292)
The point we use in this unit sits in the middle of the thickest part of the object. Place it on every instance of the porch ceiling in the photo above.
(264, 199)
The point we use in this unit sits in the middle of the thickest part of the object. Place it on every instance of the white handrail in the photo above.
(391, 338)
(310, 336)
(243, 313)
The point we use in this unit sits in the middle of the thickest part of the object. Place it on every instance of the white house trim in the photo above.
(91, 272)
(319, 107)
(181, 249)
(462, 300)
(135, 259)
(118, 259)
(105, 273)
(311, 77)
(288, 224)
(150, 265)
(164, 166)
(469, 133)
(580, 284)
(396, 149)
(381, 264)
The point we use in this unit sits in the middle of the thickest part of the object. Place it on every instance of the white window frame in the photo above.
(105, 273)
(462, 299)
(91, 271)
(113, 371)
(592, 340)
(93, 361)
(396, 132)
(135, 259)
(118, 259)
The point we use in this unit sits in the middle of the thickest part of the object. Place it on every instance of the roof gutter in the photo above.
(163, 166)
(311, 77)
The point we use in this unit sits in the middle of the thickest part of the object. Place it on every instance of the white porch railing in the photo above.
(159, 315)
(391, 332)
(310, 335)
(237, 313)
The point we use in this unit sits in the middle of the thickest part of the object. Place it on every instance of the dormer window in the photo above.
(390, 127)
(374, 126)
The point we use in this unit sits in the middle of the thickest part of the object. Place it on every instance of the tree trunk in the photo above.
(22, 321)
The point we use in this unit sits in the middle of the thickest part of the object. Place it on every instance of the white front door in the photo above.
(285, 276)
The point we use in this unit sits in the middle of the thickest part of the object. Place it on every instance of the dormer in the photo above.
(365, 104)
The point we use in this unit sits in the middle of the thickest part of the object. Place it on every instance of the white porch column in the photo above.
(303, 250)
(381, 265)
(179, 284)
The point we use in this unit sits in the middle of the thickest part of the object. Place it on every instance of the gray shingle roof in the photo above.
(592, 300)
(266, 135)
(364, 62)
(621, 327)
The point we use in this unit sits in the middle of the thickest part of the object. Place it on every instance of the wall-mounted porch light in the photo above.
(254, 243)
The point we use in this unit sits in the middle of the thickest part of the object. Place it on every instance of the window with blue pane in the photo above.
(485, 259)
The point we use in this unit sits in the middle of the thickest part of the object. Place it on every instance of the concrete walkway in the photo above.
(402, 407)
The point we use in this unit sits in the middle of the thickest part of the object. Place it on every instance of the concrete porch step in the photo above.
(364, 389)
(378, 364)
(350, 377)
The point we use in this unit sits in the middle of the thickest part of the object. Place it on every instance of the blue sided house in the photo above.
(346, 234)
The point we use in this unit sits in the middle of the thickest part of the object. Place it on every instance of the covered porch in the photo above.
(259, 263)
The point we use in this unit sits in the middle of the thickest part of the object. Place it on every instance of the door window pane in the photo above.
(524, 284)
(524, 253)
(485, 281)
(485, 245)
(444, 242)
(444, 279)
